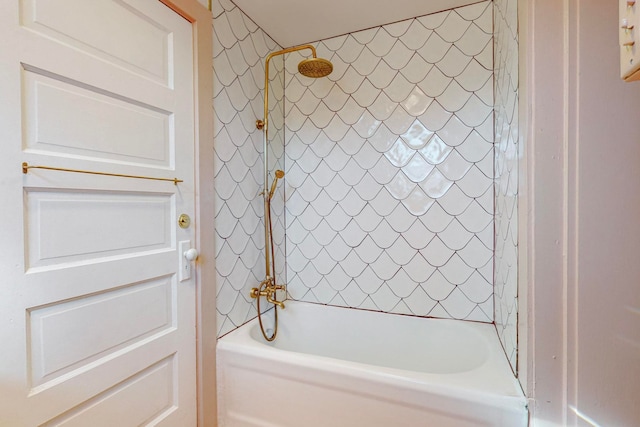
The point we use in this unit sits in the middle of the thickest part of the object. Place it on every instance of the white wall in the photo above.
(390, 169)
(584, 232)
(506, 175)
(239, 51)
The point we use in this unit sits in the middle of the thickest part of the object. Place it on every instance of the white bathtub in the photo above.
(336, 367)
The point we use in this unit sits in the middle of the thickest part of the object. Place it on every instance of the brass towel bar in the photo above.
(26, 167)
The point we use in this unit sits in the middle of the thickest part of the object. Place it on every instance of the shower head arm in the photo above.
(266, 74)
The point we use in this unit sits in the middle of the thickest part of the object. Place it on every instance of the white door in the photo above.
(96, 326)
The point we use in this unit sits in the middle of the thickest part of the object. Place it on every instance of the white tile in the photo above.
(324, 292)
(416, 69)
(337, 189)
(475, 254)
(475, 183)
(399, 89)
(383, 203)
(335, 99)
(457, 305)
(416, 35)
(400, 186)
(418, 202)
(398, 56)
(455, 236)
(367, 250)
(417, 136)
(438, 287)
(323, 233)
(353, 265)
(384, 267)
(367, 62)
(365, 37)
(455, 202)
(436, 219)
(399, 121)
(338, 219)
(473, 11)
(385, 235)
(368, 219)
(351, 112)
(323, 263)
(454, 62)
(475, 112)
(420, 303)
(452, 28)
(353, 203)
(322, 116)
(223, 32)
(477, 289)
(397, 29)
(334, 43)
(352, 173)
(473, 41)
(338, 279)
(366, 94)
(350, 81)
(336, 129)
(434, 49)
(417, 169)
(367, 125)
(336, 159)
(307, 103)
(455, 167)
(436, 184)
(435, 117)
(417, 102)
(454, 97)
(309, 276)
(382, 75)
(401, 252)
(367, 188)
(353, 295)
(382, 139)
(381, 43)
(382, 107)
(418, 268)
(350, 50)
(322, 146)
(474, 77)
(433, 20)
(456, 270)
(474, 218)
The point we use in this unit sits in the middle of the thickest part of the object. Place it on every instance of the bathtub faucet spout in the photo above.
(268, 289)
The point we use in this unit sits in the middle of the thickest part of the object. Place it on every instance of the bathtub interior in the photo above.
(439, 346)
(332, 363)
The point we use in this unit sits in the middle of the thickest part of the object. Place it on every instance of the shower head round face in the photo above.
(315, 67)
(279, 174)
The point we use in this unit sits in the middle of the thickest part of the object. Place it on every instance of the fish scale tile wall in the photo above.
(390, 166)
(240, 48)
(506, 175)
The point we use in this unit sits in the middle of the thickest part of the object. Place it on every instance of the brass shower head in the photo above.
(315, 67)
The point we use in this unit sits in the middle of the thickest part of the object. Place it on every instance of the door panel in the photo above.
(136, 42)
(69, 120)
(96, 329)
(122, 404)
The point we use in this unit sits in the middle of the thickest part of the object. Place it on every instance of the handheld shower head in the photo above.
(279, 175)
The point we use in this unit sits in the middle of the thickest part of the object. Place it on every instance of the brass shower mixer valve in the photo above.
(268, 289)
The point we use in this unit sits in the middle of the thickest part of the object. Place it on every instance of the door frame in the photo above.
(201, 20)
